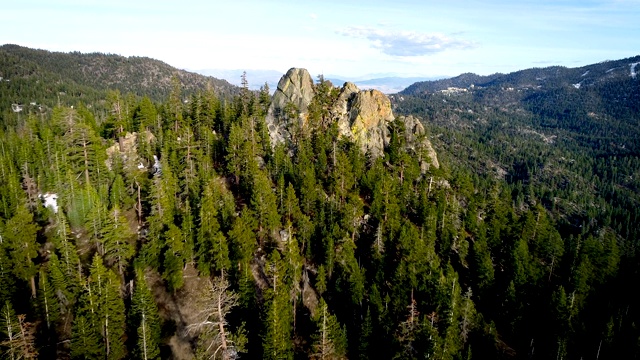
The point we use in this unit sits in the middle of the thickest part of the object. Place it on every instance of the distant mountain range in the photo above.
(538, 78)
(599, 100)
(387, 83)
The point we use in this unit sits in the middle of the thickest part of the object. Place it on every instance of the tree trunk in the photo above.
(86, 158)
(33, 286)
(223, 335)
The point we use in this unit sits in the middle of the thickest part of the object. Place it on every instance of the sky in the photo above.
(349, 38)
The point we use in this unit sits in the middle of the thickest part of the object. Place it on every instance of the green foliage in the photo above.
(19, 240)
(330, 340)
(526, 231)
(278, 317)
(101, 311)
(144, 317)
(213, 250)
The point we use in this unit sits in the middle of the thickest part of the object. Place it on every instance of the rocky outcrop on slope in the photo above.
(289, 104)
(362, 116)
(416, 140)
(369, 117)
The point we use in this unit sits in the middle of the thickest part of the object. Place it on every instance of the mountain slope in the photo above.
(537, 78)
(600, 100)
(42, 76)
(568, 137)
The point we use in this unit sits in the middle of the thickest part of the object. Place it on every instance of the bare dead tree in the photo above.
(21, 343)
(211, 326)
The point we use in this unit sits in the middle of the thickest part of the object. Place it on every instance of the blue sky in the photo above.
(347, 37)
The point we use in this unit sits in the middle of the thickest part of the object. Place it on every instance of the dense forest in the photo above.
(176, 230)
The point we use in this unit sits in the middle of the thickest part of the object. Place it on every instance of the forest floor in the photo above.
(177, 311)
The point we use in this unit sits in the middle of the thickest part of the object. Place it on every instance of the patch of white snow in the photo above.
(585, 73)
(633, 69)
(577, 86)
(50, 200)
(156, 165)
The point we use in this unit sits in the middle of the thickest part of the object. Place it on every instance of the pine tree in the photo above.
(102, 309)
(263, 203)
(278, 318)
(173, 258)
(65, 268)
(10, 331)
(213, 251)
(145, 318)
(83, 151)
(85, 341)
(48, 304)
(408, 330)
(19, 235)
(330, 338)
(117, 249)
(243, 240)
(235, 161)
(6, 278)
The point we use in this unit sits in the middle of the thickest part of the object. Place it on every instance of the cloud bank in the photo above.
(406, 43)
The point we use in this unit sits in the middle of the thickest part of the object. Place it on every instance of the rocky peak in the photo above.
(289, 103)
(369, 116)
(363, 116)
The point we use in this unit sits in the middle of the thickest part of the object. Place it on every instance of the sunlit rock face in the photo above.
(369, 117)
(362, 116)
(289, 104)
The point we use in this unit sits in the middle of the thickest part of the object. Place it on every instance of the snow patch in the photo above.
(577, 86)
(50, 200)
(157, 169)
(633, 69)
(585, 73)
(610, 70)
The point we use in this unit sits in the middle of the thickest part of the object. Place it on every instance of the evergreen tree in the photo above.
(102, 309)
(263, 203)
(85, 342)
(117, 249)
(213, 251)
(330, 339)
(144, 317)
(173, 258)
(48, 305)
(19, 235)
(278, 318)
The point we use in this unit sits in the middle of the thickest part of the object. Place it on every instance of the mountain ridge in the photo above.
(25, 72)
(583, 75)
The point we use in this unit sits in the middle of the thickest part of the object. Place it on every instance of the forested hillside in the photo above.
(177, 230)
(564, 140)
(47, 78)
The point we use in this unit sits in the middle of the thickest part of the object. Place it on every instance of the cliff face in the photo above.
(289, 104)
(369, 117)
(363, 116)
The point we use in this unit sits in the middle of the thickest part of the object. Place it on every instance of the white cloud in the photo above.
(407, 43)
